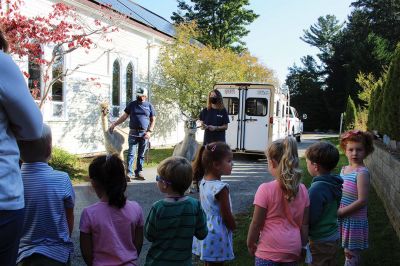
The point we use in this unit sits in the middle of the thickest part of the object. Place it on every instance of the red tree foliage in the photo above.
(62, 27)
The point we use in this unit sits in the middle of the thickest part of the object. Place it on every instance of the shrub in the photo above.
(350, 116)
(362, 119)
(375, 108)
(63, 160)
(391, 98)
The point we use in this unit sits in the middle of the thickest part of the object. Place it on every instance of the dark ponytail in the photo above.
(206, 156)
(109, 173)
(198, 169)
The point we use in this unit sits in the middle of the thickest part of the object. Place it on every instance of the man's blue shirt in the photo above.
(140, 113)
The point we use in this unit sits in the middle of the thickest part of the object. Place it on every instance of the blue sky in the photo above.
(275, 36)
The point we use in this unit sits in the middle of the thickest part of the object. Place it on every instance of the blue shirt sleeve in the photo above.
(152, 110)
(203, 115)
(225, 116)
(317, 202)
(22, 112)
(128, 108)
(69, 197)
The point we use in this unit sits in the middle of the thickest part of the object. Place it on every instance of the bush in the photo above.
(350, 116)
(362, 119)
(63, 160)
(391, 98)
(375, 107)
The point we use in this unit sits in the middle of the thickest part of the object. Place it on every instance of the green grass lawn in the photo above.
(77, 168)
(384, 244)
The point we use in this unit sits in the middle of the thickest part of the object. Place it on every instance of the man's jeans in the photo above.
(139, 144)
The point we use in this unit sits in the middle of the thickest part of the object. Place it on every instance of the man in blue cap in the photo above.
(142, 118)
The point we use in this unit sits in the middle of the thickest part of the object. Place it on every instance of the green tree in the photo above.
(188, 72)
(391, 98)
(222, 23)
(375, 110)
(306, 94)
(323, 35)
(368, 84)
(350, 116)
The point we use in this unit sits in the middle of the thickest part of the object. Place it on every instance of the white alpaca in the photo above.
(188, 146)
(117, 141)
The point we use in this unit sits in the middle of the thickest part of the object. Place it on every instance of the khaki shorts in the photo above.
(324, 253)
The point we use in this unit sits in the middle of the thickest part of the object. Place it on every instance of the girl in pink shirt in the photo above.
(112, 229)
(279, 227)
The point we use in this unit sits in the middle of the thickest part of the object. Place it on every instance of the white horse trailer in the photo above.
(257, 114)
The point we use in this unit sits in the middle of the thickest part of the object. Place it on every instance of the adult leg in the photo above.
(131, 154)
(11, 223)
(142, 146)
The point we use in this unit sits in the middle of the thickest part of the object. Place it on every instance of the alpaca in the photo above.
(117, 141)
(188, 146)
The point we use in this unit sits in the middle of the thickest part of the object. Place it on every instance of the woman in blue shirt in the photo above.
(214, 119)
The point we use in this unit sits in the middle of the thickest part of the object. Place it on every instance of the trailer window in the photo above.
(232, 105)
(256, 106)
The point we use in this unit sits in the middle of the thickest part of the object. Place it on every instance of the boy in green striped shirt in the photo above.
(174, 220)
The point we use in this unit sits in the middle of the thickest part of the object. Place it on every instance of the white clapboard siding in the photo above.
(79, 131)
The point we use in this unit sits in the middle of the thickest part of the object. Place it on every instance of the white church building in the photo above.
(73, 112)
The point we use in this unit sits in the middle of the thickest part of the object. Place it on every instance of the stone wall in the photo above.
(385, 174)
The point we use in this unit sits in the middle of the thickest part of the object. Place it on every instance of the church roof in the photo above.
(141, 15)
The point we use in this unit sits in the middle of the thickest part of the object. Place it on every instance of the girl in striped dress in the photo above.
(352, 212)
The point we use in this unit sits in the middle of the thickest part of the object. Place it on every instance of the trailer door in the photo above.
(231, 98)
(256, 119)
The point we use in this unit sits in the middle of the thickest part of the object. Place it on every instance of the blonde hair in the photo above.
(284, 152)
(178, 171)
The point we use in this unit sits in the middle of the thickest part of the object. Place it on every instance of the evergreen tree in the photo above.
(323, 35)
(307, 96)
(375, 108)
(391, 98)
(350, 115)
(222, 23)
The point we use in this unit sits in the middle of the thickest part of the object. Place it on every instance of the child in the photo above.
(325, 194)
(174, 220)
(112, 229)
(216, 160)
(352, 213)
(279, 227)
(49, 206)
